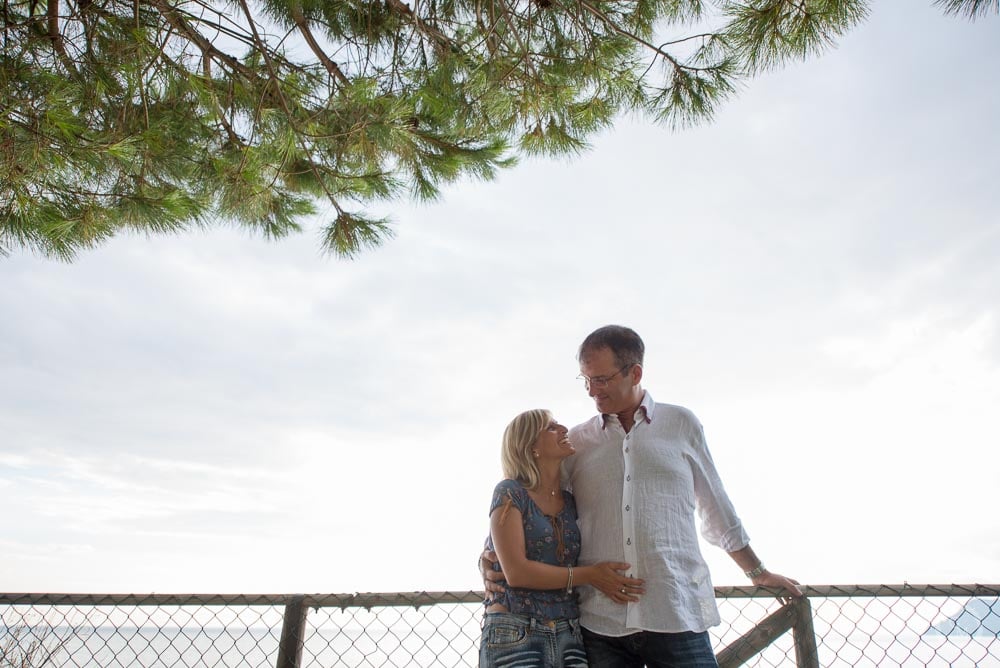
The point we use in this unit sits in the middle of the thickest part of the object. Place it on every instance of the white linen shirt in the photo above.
(637, 495)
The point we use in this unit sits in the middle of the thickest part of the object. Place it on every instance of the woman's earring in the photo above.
(535, 452)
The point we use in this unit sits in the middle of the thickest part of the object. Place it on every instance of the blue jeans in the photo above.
(648, 648)
(518, 640)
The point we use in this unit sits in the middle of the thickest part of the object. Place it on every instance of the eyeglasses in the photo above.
(600, 382)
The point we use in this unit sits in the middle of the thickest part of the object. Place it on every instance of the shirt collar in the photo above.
(643, 412)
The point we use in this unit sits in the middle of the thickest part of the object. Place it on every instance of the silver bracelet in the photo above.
(569, 581)
(754, 572)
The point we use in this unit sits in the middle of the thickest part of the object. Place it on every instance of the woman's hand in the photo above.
(609, 578)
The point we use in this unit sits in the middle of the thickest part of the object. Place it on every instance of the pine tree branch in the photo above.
(166, 121)
(404, 10)
(58, 44)
(266, 53)
(971, 8)
(489, 32)
(688, 38)
(625, 33)
(207, 71)
(521, 45)
(174, 18)
(218, 24)
(303, 25)
(769, 33)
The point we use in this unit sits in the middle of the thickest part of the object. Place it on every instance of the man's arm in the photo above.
(493, 580)
(719, 517)
(750, 563)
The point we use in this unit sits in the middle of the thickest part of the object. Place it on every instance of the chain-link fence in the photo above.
(882, 625)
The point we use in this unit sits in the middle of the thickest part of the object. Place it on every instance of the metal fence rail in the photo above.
(853, 625)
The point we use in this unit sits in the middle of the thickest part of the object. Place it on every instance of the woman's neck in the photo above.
(549, 478)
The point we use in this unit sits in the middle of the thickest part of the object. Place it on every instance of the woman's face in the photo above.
(552, 442)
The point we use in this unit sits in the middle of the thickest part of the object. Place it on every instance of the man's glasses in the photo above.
(600, 382)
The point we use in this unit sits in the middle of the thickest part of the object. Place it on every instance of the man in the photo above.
(641, 472)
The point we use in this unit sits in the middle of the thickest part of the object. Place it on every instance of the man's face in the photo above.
(615, 389)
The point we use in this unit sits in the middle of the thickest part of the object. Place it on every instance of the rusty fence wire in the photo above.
(854, 625)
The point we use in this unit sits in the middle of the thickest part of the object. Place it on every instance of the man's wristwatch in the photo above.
(754, 572)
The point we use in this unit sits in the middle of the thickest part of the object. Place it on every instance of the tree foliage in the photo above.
(158, 115)
(970, 8)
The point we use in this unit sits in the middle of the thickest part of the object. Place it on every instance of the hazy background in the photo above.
(816, 275)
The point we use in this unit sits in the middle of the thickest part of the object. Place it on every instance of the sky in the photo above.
(816, 274)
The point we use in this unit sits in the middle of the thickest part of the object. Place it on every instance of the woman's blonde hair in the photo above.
(515, 453)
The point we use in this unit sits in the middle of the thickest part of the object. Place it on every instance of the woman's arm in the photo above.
(508, 539)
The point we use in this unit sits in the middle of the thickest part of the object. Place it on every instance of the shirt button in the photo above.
(628, 542)
(628, 508)
(628, 478)
(626, 449)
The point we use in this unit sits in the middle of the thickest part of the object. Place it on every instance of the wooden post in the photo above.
(293, 633)
(758, 638)
(806, 655)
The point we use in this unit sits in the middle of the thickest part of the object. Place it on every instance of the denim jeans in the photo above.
(518, 640)
(648, 648)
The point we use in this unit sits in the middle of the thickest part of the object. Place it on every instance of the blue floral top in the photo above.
(551, 539)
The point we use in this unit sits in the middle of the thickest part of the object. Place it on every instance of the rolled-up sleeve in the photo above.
(720, 525)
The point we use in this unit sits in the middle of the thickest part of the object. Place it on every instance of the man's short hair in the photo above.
(623, 342)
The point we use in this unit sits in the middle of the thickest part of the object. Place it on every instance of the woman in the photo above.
(533, 530)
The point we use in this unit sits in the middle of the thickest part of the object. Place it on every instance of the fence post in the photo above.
(292, 633)
(754, 641)
(804, 636)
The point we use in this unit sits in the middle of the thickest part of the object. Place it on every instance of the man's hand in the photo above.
(493, 580)
(775, 581)
(750, 564)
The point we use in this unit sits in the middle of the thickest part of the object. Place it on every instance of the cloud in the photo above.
(815, 274)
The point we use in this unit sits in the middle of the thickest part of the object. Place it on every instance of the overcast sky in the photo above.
(816, 275)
